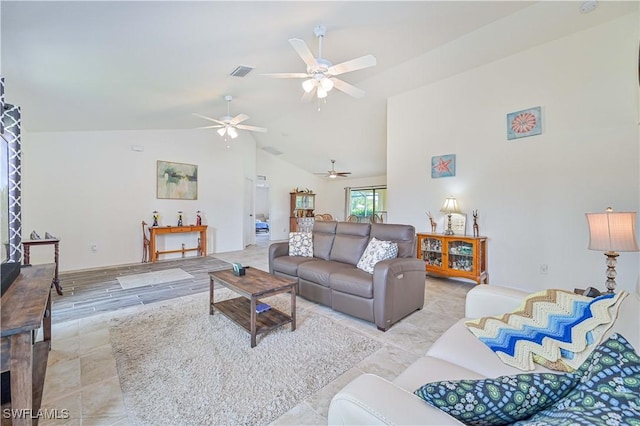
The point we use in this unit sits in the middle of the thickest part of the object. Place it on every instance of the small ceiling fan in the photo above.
(321, 74)
(332, 174)
(227, 125)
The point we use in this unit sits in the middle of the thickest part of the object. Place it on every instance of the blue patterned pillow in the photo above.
(376, 251)
(608, 392)
(497, 401)
(301, 244)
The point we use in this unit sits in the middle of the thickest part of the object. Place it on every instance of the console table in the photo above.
(26, 306)
(26, 244)
(154, 231)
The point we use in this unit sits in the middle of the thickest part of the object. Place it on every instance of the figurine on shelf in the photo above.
(198, 218)
(156, 216)
(433, 222)
(48, 236)
(34, 236)
(179, 217)
(476, 230)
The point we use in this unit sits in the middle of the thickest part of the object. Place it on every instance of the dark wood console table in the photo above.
(26, 306)
(26, 244)
(159, 230)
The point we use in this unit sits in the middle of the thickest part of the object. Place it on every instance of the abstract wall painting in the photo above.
(177, 181)
(443, 166)
(527, 122)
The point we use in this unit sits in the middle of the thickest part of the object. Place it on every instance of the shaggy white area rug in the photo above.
(180, 366)
(153, 278)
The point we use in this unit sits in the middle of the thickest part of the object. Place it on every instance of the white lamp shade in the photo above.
(612, 231)
(308, 85)
(232, 132)
(221, 131)
(326, 83)
(321, 93)
(450, 206)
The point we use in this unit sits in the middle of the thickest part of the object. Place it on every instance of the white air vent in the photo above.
(271, 150)
(241, 71)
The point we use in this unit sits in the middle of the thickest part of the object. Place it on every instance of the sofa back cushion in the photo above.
(350, 241)
(404, 235)
(323, 234)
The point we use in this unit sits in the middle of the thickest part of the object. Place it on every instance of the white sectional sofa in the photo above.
(457, 354)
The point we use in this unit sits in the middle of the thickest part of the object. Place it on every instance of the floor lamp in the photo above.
(612, 232)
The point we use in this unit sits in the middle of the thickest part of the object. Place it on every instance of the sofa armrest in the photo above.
(398, 289)
(277, 250)
(490, 300)
(372, 400)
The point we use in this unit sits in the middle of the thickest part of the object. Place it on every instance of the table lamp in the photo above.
(612, 232)
(450, 206)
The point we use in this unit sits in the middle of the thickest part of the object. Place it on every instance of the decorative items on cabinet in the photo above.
(454, 256)
(179, 217)
(156, 216)
(302, 205)
(476, 229)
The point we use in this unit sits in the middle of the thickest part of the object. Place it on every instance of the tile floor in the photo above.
(82, 377)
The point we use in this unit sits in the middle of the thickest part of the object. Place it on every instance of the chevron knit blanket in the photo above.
(555, 328)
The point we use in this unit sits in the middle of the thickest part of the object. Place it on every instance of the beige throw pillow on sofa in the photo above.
(301, 244)
(376, 251)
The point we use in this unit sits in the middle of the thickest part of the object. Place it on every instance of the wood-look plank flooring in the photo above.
(92, 292)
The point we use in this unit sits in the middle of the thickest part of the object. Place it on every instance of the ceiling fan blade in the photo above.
(301, 49)
(217, 126)
(348, 88)
(238, 119)
(208, 118)
(353, 65)
(251, 128)
(343, 174)
(287, 75)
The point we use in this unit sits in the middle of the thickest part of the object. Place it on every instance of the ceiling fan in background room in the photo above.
(320, 77)
(332, 173)
(228, 126)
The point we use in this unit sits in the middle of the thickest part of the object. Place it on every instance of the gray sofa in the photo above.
(330, 277)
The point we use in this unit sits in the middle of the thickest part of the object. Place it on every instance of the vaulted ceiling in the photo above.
(120, 65)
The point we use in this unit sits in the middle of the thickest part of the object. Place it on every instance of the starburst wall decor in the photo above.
(443, 166)
(527, 122)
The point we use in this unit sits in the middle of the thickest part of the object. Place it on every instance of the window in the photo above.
(366, 202)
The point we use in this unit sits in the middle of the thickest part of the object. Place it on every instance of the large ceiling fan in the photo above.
(320, 77)
(332, 173)
(227, 125)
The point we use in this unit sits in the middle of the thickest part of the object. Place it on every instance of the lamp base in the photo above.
(448, 232)
(611, 262)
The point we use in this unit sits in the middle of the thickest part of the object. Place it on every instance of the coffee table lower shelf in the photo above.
(238, 310)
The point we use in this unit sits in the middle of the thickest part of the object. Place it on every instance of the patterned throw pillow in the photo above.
(376, 251)
(555, 328)
(497, 401)
(608, 392)
(301, 244)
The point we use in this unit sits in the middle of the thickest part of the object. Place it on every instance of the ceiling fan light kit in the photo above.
(228, 125)
(320, 74)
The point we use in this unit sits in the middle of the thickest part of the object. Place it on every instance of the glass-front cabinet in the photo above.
(302, 205)
(454, 256)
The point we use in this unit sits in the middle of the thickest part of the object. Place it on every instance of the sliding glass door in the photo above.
(367, 204)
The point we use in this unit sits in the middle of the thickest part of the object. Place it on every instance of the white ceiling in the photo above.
(120, 65)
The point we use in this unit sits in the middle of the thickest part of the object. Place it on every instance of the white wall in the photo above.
(531, 193)
(91, 188)
(282, 178)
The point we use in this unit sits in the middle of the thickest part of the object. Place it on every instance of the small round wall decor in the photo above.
(524, 123)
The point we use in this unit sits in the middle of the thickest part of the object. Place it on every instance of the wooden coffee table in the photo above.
(242, 310)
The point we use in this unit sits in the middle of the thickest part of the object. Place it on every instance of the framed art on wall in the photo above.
(443, 166)
(177, 181)
(527, 122)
